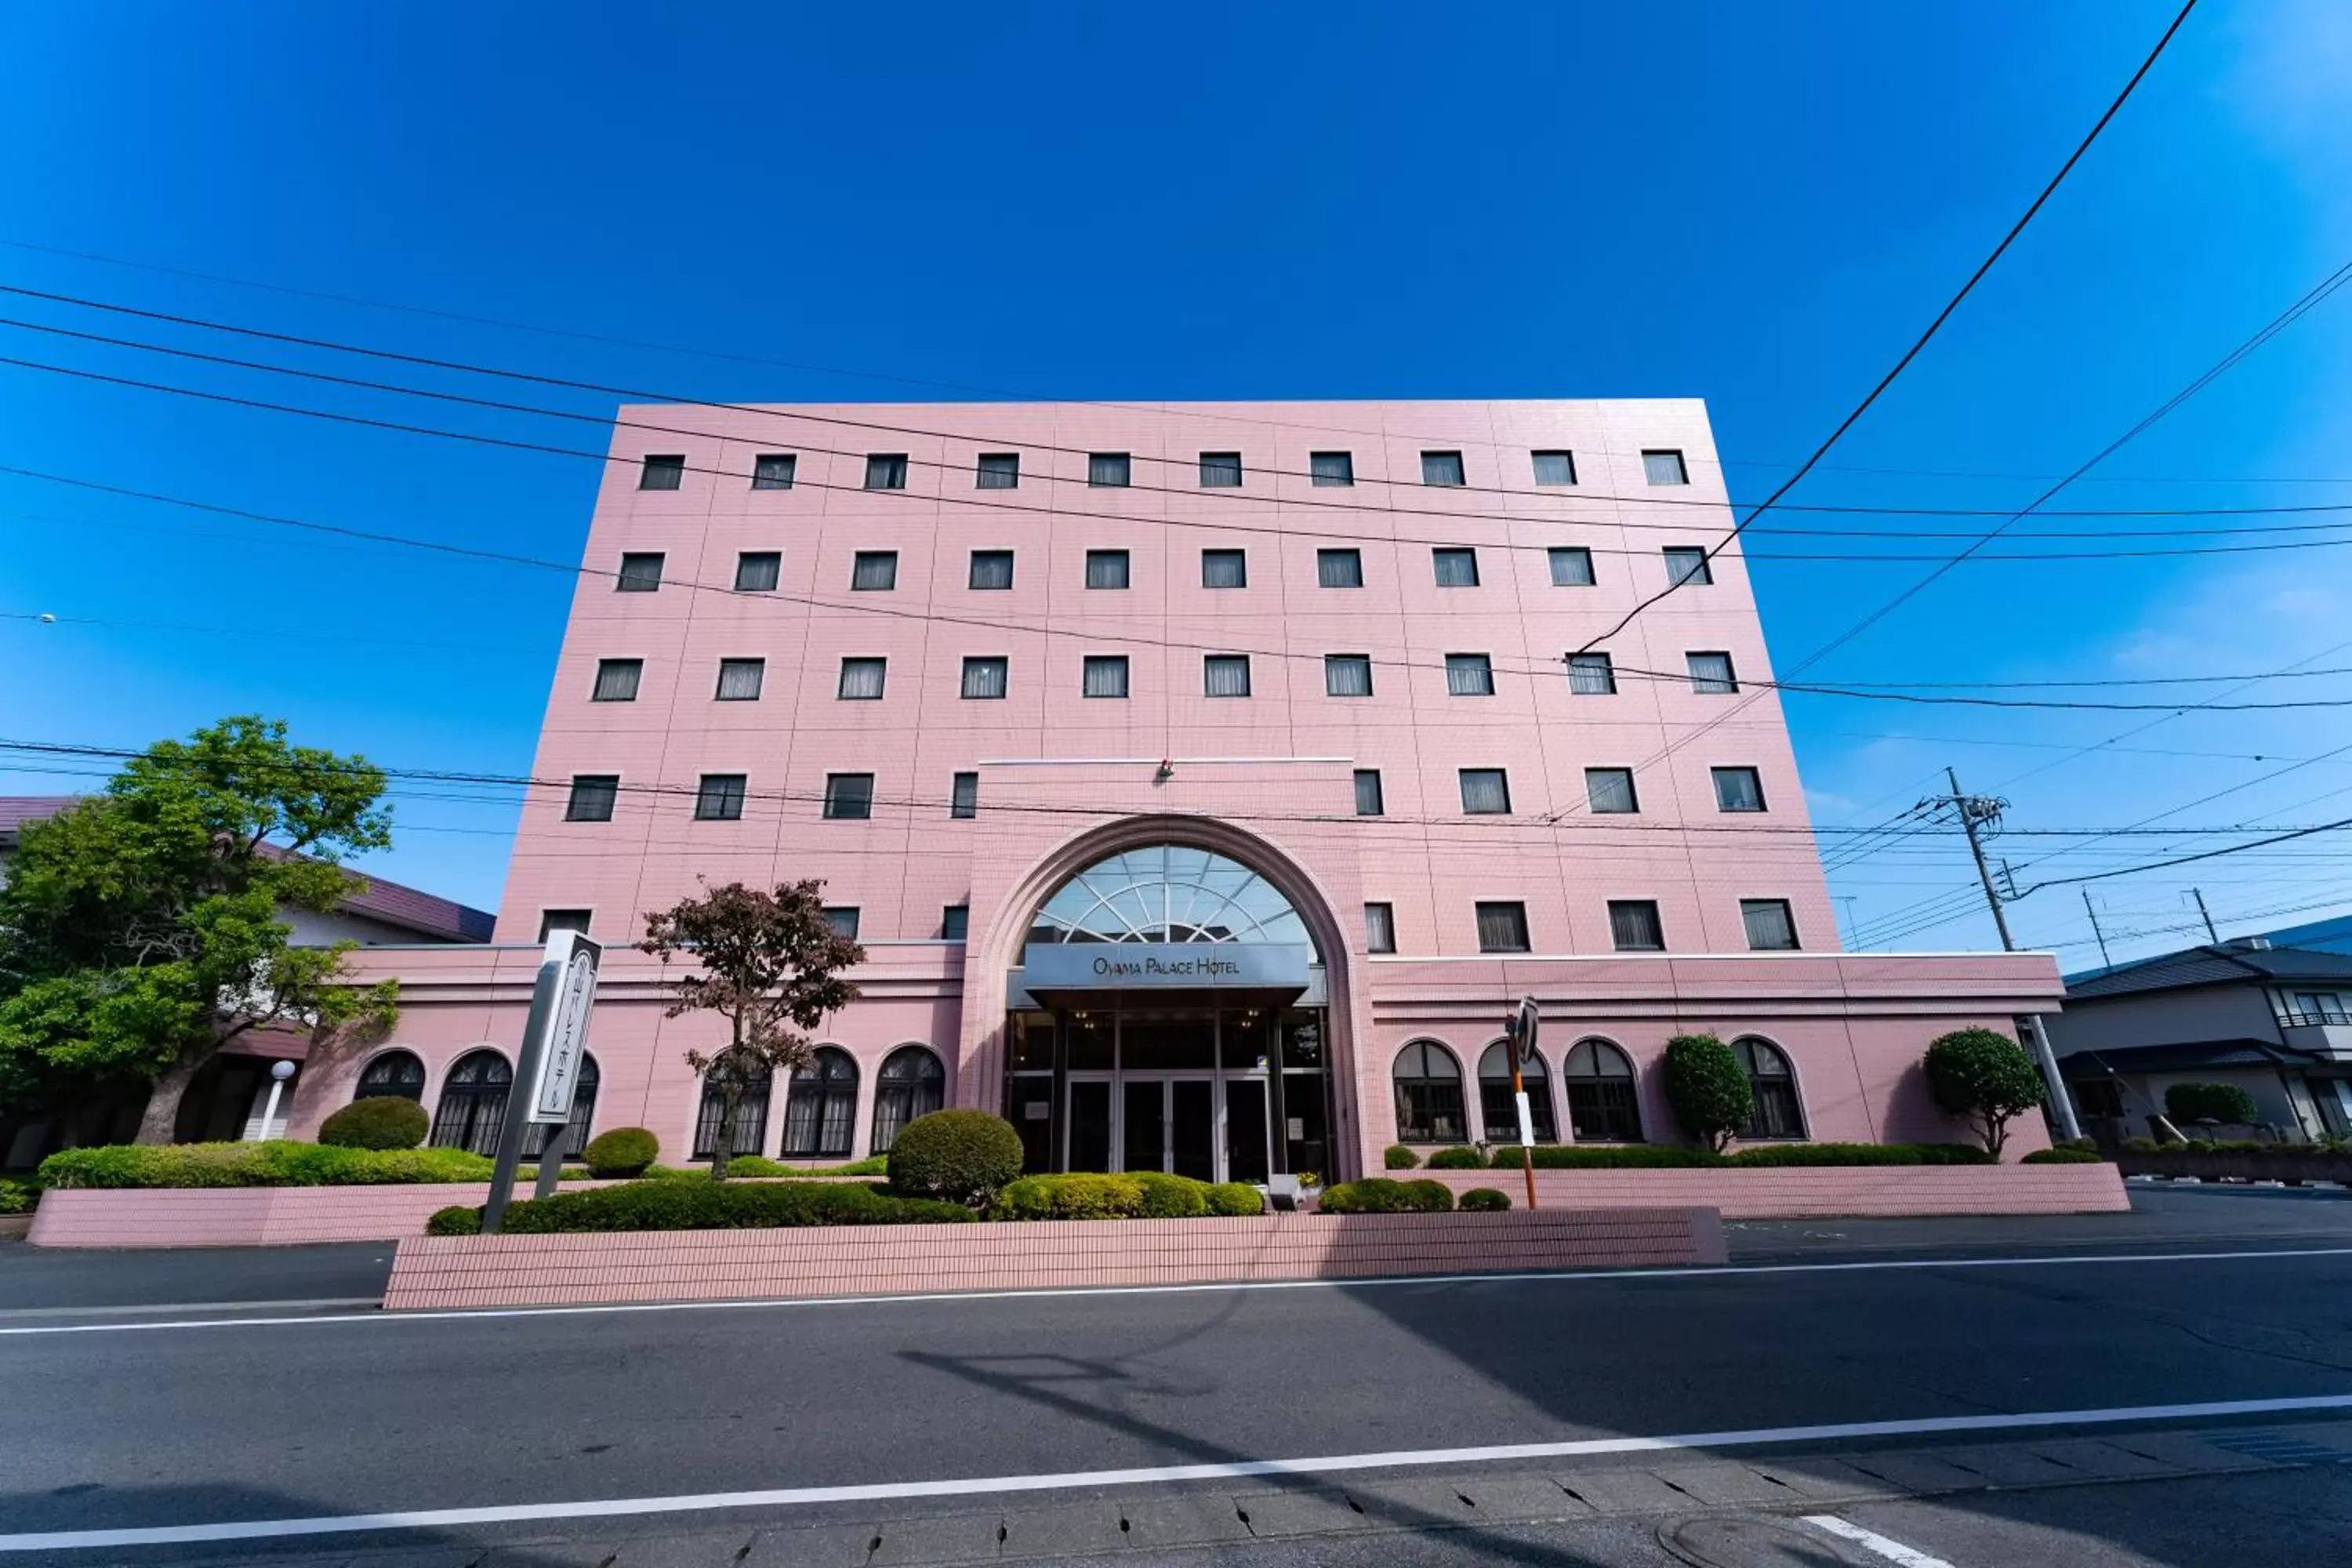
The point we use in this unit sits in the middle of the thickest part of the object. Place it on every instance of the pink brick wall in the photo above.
(241, 1216)
(704, 1266)
(1824, 1192)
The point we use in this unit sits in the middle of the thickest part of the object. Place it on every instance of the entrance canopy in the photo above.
(1167, 920)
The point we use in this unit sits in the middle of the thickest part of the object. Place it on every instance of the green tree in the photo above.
(139, 929)
(1984, 1077)
(1708, 1087)
(2225, 1102)
(767, 962)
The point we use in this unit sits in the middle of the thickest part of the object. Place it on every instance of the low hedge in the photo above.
(2064, 1157)
(275, 1163)
(1397, 1157)
(18, 1197)
(2238, 1146)
(704, 1205)
(1133, 1195)
(1461, 1157)
(1382, 1194)
(1667, 1156)
(380, 1121)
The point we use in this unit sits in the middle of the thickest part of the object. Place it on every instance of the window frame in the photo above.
(580, 800)
(752, 1110)
(744, 562)
(1609, 1107)
(1126, 571)
(567, 918)
(714, 801)
(1461, 472)
(963, 794)
(822, 1103)
(1349, 556)
(1214, 463)
(972, 571)
(1421, 1101)
(1210, 663)
(979, 664)
(1580, 554)
(858, 561)
(1237, 558)
(1687, 566)
(1110, 470)
(902, 1096)
(996, 472)
(1650, 471)
(955, 923)
(764, 477)
(1513, 910)
(1092, 663)
(1378, 791)
(861, 663)
(1724, 685)
(1467, 672)
(1766, 1086)
(841, 795)
(1593, 664)
(1784, 911)
(635, 669)
(1323, 472)
(1498, 1112)
(665, 466)
(886, 471)
(1502, 777)
(1379, 929)
(475, 1104)
(1334, 662)
(1755, 777)
(759, 668)
(631, 577)
(1594, 780)
(1568, 459)
(1658, 919)
(1442, 555)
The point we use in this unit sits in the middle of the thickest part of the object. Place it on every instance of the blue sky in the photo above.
(1754, 203)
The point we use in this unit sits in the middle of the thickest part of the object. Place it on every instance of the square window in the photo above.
(774, 471)
(1469, 675)
(862, 680)
(1225, 569)
(1369, 802)
(1332, 467)
(874, 571)
(963, 795)
(1571, 566)
(1441, 468)
(592, 797)
(1455, 568)
(1591, 675)
(849, 798)
(1106, 675)
(955, 921)
(1610, 791)
(617, 679)
(1634, 926)
(1687, 564)
(740, 680)
(663, 473)
(1502, 928)
(843, 919)
(1710, 674)
(1347, 675)
(1665, 467)
(984, 679)
(1555, 468)
(1225, 675)
(1379, 928)
(1771, 927)
(992, 568)
(759, 571)
(1107, 470)
(1340, 568)
(641, 572)
(1000, 470)
(1485, 792)
(719, 798)
(553, 921)
(1221, 470)
(886, 471)
(1105, 568)
(1739, 789)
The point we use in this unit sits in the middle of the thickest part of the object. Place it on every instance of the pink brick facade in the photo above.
(1267, 780)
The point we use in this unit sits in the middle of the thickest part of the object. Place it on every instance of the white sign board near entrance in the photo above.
(566, 1039)
(1143, 966)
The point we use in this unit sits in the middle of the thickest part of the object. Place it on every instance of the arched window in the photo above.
(751, 1114)
(1601, 1105)
(821, 1108)
(1428, 1095)
(1502, 1113)
(394, 1073)
(473, 1103)
(1776, 1114)
(576, 1131)
(1167, 893)
(911, 1083)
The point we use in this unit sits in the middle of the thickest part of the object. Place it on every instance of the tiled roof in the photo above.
(393, 903)
(2189, 1056)
(2211, 966)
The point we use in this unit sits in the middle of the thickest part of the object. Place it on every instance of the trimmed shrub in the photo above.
(1236, 1199)
(1397, 1157)
(18, 1197)
(1459, 1158)
(2209, 1103)
(276, 1163)
(957, 1156)
(708, 1205)
(1485, 1200)
(1605, 1156)
(1079, 1195)
(1984, 1077)
(380, 1121)
(1379, 1194)
(1860, 1155)
(1170, 1197)
(1707, 1089)
(624, 1152)
(2064, 1157)
(456, 1221)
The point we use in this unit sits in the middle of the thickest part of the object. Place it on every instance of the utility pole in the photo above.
(1973, 810)
(2210, 934)
(2105, 961)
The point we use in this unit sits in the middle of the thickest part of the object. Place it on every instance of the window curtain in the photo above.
(751, 1120)
(1457, 568)
(821, 1107)
(1429, 1096)
(1608, 790)
(617, 679)
(1107, 468)
(1348, 675)
(1225, 569)
(1633, 927)
(1469, 675)
(1502, 928)
(757, 572)
(640, 573)
(1591, 675)
(1738, 789)
(910, 1084)
(1687, 566)
(1340, 568)
(1770, 927)
(1773, 1090)
(774, 471)
(886, 471)
(1105, 568)
(983, 677)
(1555, 468)
(1571, 566)
(1332, 467)
(1602, 1104)
(1000, 470)
(592, 795)
(1221, 470)
(1379, 928)
(1663, 468)
(720, 798)
(1485, 791)
(1369, 800)
(1228, 675)
(1502, 1111)
(991, 568)
(849, 795)
(1440, 467)
(1711, 674)
(739, 679)
(875, 569)
(1105, 676)
(862, 680)
(662, 474)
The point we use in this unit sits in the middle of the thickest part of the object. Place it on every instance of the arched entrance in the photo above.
(1169, 1013)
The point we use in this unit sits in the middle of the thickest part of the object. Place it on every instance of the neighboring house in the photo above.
(2320, 936)
(226, 1099)
(2274, 1021)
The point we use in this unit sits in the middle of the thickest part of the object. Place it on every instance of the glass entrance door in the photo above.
(1185, 1092)
(1168, 1123)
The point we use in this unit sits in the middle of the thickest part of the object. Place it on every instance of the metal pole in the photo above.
(2210, 934)
(1519, 1098)
(550, 1161)
(534, 1031)
(2105, 961)
(1984, 873)
(2061, 1105)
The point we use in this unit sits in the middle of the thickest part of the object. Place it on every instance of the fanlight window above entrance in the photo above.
(1167, 893)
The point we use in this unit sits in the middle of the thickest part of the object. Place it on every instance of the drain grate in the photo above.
(2280, 1449)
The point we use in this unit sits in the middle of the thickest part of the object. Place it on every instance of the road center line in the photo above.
(1240, 1469)
(1871, 1541)
(1714, 1272)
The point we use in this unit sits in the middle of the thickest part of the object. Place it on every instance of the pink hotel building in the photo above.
(1205, 782)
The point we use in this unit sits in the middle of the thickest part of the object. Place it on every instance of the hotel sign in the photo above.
(1144, 966)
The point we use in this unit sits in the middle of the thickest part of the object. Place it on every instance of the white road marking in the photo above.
(1871, 1541)
(1704, 1272)
(1330, 1464)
